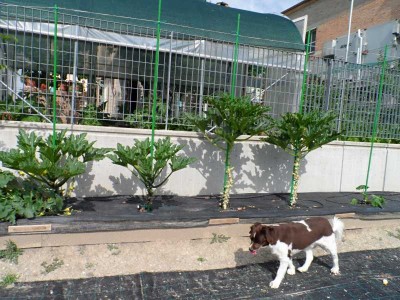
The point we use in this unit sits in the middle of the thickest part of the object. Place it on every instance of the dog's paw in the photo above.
(302, 269)
(274, 285)
(335, 271)
(291, 271)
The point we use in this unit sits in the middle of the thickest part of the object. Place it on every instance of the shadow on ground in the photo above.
(361, 277)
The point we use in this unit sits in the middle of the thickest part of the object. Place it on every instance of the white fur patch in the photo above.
(304, 223)
(337, 227)
(280, 249)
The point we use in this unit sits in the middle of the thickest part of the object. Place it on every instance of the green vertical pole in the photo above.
(235, 58)
(302, 96)
(304, 83)
(153, 111)
(55, 76)
(376, 117)
(233, 86)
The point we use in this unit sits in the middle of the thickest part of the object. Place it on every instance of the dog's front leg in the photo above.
(282, 251)
(307, 263)
(283, 265)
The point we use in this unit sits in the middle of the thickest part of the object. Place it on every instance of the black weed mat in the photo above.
(362, 275)
(121, 213)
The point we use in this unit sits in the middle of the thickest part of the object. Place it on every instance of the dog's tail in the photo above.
(338, 228)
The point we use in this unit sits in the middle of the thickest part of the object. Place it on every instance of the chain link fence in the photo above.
(105, 68)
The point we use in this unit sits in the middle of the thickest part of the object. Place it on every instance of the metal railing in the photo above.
(105, 74)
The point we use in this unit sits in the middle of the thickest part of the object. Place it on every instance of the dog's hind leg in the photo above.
(307, 263)
(291, 268)
(329, 244)
(333, 250)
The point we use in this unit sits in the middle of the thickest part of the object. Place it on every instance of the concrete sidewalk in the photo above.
(362, 275)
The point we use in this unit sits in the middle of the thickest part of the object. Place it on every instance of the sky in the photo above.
(261, 6)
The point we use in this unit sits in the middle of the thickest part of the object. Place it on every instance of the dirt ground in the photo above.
(71, 262)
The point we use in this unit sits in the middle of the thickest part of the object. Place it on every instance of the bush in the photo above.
(148, 168)
(48, 165)
(373, 200)
(24, 199)
(47, 168)
(300, 133)
(226, 120)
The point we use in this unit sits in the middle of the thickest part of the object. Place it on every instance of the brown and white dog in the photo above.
(287, 239)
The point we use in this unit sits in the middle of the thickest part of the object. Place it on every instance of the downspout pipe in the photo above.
(348, 32)
(360, 46)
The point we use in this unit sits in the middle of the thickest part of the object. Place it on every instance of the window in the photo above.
(313, 38)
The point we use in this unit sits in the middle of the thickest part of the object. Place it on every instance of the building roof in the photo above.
(204, 19)
(294, 7)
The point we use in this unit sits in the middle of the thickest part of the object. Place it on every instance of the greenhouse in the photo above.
(106, 58)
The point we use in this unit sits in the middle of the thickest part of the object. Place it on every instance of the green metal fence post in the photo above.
(233, 87)
(153, 111)
(235, 58)
(305, 74)
(55, 76)
(376, 117)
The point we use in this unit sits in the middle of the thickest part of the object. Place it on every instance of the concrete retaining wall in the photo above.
(258, 167)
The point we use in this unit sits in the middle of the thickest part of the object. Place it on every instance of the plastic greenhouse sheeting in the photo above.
(195, 47)
(190, 17)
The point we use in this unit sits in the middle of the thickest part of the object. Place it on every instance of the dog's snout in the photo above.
(252, 248)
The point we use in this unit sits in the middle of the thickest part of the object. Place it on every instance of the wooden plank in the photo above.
(345, 215)
(29, 228)
(223, 221)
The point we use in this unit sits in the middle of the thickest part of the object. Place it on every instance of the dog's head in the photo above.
(261, 236)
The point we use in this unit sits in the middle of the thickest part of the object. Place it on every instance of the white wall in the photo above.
(258, 167)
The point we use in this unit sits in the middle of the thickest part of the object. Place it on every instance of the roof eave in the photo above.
(294, 7)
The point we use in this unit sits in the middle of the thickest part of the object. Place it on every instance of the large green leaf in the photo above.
(5, 178)
(300, 133)
(180, 162)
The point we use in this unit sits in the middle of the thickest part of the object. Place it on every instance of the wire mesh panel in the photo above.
(351, 90)
(389, 115)
(24, 81)
(269, 76)
(105, 68)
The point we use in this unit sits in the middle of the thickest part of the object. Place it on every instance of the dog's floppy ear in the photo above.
(254, 229)
(271, 234)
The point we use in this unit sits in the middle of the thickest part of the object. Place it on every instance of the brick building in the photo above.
(328, 21)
